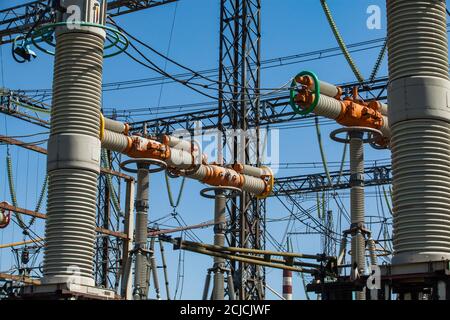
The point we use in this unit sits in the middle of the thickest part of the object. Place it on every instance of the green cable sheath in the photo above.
(322, 152)
(12, 192)
(323, 207)
(304, 285)
(387, 200)
(40, 200)
(377, 65)
(341, 168)
(169, 191)
(27, 106)
(341, 42)
(318, 206)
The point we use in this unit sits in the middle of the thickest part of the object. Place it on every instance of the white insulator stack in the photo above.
(142, 198)
(114, 141)
(180, 159)
(328, 107)
(328, 89)
(114, 125)
(419, 117)
(357, 204)
(73, 162)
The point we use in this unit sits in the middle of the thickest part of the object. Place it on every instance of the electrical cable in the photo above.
(340, 41)
(378, 62)
(167, 54)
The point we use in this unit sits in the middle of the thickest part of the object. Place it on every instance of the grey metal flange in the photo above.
(160, 165)
(371, 134)
(228, 192)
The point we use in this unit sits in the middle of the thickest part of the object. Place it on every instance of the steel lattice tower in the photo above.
(239, 76)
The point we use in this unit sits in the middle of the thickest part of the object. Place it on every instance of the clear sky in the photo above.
(289, 27)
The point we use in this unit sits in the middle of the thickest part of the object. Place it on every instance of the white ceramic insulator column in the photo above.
(419, 117)
(73, 162)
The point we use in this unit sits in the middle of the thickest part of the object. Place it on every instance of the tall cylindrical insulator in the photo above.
(114, 141)
(219, 240)
(357, 203)
(74, 147)
(419, 117)
(287, 284)
(140, 267)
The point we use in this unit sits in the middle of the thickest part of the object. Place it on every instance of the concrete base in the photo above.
(68, 291)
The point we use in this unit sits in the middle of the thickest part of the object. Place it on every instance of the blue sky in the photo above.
(288, 27)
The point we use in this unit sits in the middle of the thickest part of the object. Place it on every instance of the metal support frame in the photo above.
(221, 194)
(19, 19)
(239, 101)
(108, 254)
(141, 273)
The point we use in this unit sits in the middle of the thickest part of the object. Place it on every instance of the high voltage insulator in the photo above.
(419, 119)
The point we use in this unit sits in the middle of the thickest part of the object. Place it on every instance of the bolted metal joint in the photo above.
(357, 179)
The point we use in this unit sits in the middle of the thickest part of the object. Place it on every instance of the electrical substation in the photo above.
(321, 174)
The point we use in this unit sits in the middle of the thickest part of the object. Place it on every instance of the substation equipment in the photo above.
(414, 125)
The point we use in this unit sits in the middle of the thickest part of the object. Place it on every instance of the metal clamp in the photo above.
(161, 165)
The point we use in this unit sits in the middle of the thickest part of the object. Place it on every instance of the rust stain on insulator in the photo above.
(145, 148)
(219, 176)
(127, 129)
(165, 140)
(239, 167)
(304, 98)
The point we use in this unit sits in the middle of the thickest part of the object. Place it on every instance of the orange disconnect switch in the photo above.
(144, 148)
(220, 176)
(355, 114)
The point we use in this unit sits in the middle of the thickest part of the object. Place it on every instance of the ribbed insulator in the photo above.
(385, 130)
(328, 89)
(181, 144)
(180, 159)
(142, 196)
(77, 84)
(421, 187)
(72, 193)
(114, 141)
(219, 240)
(141, 258)
(358, 251)
(358, 257)
(357, 170)
(417, 35)
(114, 125)
(254, 171)
(372, 252)
(342, 250)
(70, 225)
(384, 109)
(357, 201)
(328, 107)
(253, 185)
(357, 204)
(356, 155)
(200, 174)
